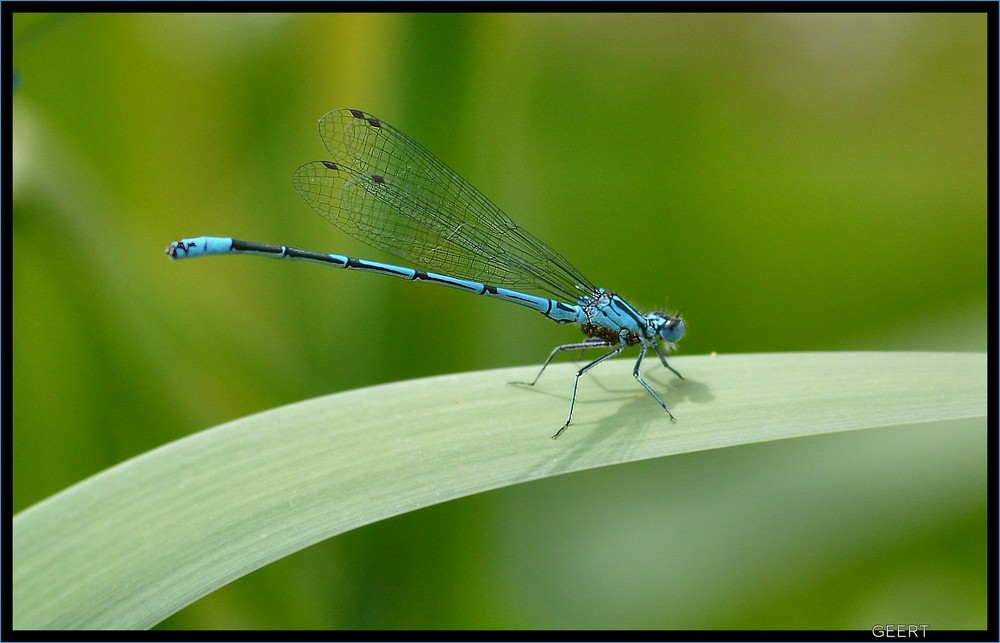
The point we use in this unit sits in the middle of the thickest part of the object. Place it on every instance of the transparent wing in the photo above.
(386, 190)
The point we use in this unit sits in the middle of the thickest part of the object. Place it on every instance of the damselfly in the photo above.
(387, 190)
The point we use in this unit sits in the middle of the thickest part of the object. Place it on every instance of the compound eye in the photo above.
(672, 329)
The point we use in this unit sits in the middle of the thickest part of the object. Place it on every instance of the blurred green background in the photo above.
(787, 182)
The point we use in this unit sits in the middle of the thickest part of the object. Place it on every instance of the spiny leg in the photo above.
(663, 360)
(576, 381)
(591, 342)
(635, 374)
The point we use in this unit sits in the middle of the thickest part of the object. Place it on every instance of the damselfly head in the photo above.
(669, 327)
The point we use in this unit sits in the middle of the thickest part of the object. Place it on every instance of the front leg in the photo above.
(663, 360)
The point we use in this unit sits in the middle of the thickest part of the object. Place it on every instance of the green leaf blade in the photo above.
(130, 546)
